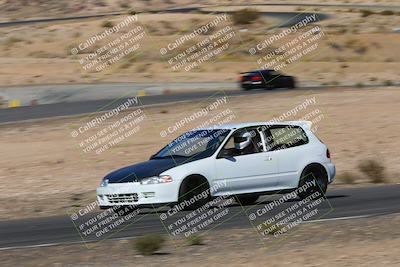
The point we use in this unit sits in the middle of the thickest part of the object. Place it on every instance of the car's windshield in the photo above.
(199, 144)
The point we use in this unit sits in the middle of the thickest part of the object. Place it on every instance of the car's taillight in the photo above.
(256, 78)
(241, 78)
(328, 154)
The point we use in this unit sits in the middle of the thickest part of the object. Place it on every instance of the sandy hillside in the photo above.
(354, 49)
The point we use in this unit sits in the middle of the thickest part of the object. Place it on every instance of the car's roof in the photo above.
(233, 126)
(258, 71)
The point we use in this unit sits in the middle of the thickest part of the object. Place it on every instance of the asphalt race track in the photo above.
(343, 203)
(90, 106)
(45, 111)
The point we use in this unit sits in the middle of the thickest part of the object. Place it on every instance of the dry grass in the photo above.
(347, 177)
(245, 16)
(148, 245)
(373, 169)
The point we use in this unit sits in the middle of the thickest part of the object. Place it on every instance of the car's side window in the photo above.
(243, 142)
(285, 136)
(274, 73)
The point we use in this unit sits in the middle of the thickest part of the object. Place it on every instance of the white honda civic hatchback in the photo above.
(243, 160)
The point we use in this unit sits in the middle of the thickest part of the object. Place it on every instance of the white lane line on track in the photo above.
(340, 218)
(131, 237)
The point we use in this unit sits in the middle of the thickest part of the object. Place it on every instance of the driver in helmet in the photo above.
(243, 143)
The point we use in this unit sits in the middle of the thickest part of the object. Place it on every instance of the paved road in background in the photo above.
(75, 107)
(191, 9)
(90, 106)
(374, 201)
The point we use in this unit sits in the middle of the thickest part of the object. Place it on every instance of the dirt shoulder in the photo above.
(357, 242)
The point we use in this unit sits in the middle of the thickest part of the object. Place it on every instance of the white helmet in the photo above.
(242, 140)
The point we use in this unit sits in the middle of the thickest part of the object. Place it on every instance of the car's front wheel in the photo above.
(194, 193)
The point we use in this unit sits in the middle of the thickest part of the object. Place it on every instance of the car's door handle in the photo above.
(268, 158)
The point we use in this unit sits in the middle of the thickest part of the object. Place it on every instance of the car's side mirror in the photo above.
(225, 153)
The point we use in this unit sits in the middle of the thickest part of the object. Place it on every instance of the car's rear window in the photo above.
(286, 136)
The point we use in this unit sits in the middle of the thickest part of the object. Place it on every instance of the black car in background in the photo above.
(265, 79)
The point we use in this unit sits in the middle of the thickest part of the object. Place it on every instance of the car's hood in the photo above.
(153, 167)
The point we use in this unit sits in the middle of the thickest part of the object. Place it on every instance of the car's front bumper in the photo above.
(255, 85)
(121, 194)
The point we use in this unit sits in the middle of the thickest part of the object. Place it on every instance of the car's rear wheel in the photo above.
(194, 192)
(246, 200)
(313, 179)
(292, 84)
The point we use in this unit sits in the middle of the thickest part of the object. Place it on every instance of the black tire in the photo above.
(246, 200)
(244, 88)
(310, 173)
(191, 192)
(292, 84)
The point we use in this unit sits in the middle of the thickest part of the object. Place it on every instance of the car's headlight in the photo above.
(104, 183)
(157, 180)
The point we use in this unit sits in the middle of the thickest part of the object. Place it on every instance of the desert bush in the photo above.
(245, 16)
(347, 177)
(388, 83)
(366, 13)
(132, 12)
(361, 49)
(335, 46)
(107, 24)
(335, 83)
(373, 169)
(70, 47)
(351, 43)
(100, 3)
(125, 65)
(143, 67)
(13, 40)
(387, 13)
(167, 25)
(149, 244)
(270, 228)
(124, 4)
(42, 54)
(195, 240)
(359, 85)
